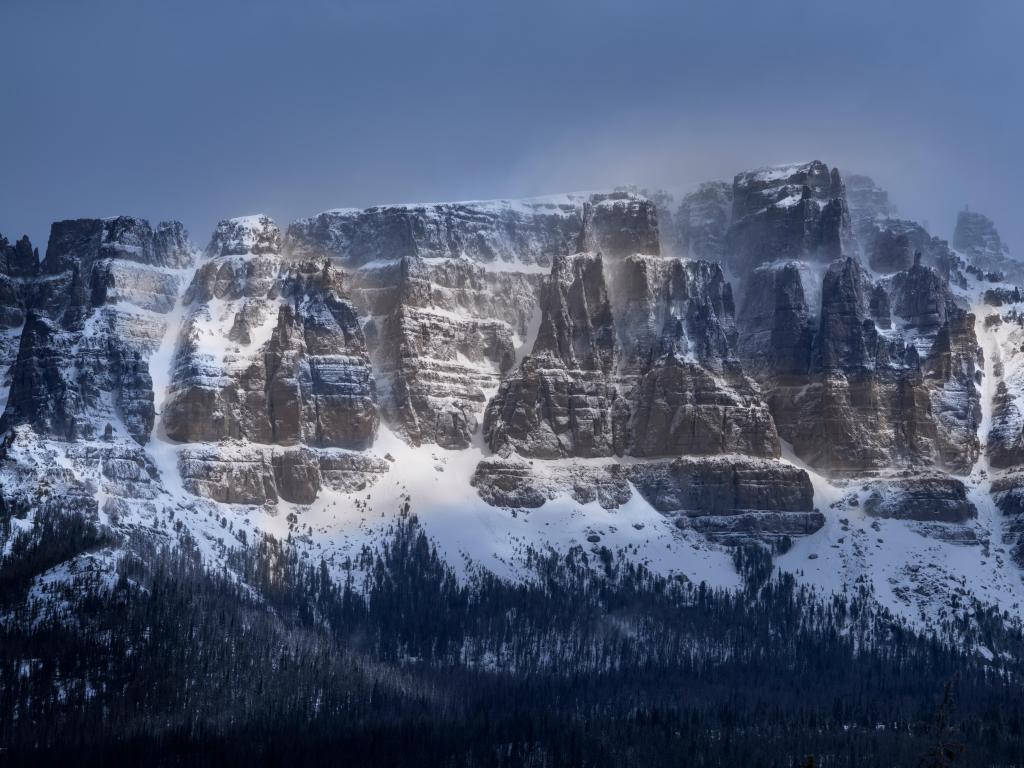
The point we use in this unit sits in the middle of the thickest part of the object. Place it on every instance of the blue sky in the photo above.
(202, 110)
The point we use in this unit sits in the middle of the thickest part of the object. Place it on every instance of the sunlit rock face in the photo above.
(441, 333)
(452, 290)
(251, 474)
(562, 400)
(637, 357)
(875, 348)
(271, 352)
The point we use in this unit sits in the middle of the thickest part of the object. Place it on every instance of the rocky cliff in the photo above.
(785, 358)
(94, 311)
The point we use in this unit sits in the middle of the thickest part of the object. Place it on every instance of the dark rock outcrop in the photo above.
(82, 362)
(702, 221)
(848, 392)
(43, 392)
(19, 263)
(977, 237)
(997, 297)
(778, 319)
(20, 259)
(729, 499)
(869, 206)
(1008, 495)
(577, 326)
(792, 212)
(680, 408)
(922, 297)
(662, 306)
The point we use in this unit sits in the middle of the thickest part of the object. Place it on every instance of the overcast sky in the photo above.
(203, 110)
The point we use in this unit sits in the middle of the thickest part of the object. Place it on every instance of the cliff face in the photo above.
(94, 311)
(703, 220)
(527, 232)
(523, 355)
(790, 212)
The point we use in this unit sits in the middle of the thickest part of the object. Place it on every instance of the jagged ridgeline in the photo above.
(779, 361)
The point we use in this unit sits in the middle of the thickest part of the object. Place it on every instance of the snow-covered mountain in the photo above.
(810, 373)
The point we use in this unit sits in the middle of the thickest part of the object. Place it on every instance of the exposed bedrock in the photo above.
(92, 318)
(665, 306)
(243, 473)
(523, 484)
(577, 325)
(730, 499)
(680, 408)
(869, 205)
(952, 370)
(443, 342)
(777, 320)
(792, 212)
(675, 387)
(921, 297)
(547, 410)
(525, 231)
(723, 485)
(1005, 441)
(555, 331)
(920, 496)
(1008, 495)
(894, 244)
(703, 220)
(977, 237)
(860, 375)
(19, 259)
(562, 400)
(19, 263)
(271, 353)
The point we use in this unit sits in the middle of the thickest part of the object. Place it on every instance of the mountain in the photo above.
(776, 378)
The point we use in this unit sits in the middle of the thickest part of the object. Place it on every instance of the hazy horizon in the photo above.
(204, 111)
